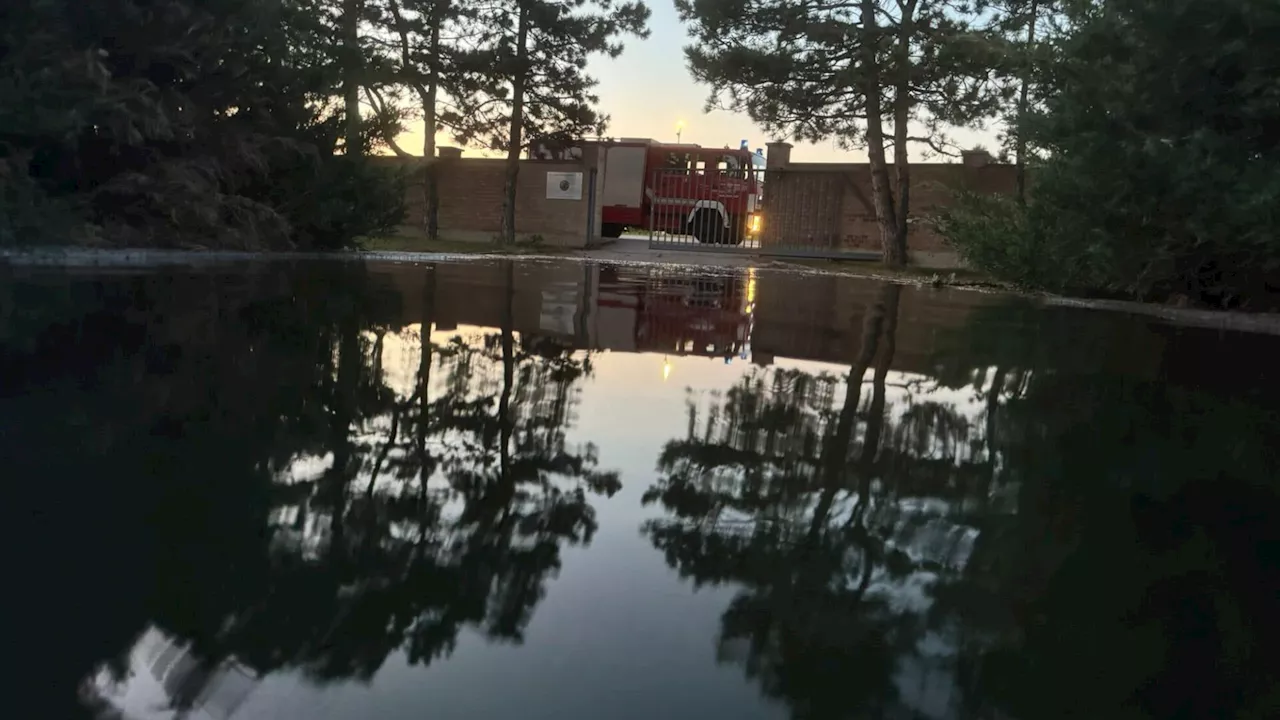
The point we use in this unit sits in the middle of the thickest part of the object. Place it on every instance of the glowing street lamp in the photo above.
(679, 129)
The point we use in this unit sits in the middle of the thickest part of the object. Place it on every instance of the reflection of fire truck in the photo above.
(711, 194)
(685, 314)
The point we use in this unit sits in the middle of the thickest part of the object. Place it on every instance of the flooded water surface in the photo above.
(542, 490)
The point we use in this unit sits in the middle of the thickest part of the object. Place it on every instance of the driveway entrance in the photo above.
(796, 215)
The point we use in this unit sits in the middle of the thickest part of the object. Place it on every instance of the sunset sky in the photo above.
(648, 90)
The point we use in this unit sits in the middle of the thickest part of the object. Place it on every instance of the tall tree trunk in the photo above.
(881, 189)
(514, 138)
(835, 451)
(351, 73)
(993, 406)
(872, 323)
(888, 304)
(881, 320)
(505, 423)
(887, 311)
(428, 94)
(380, 460)
(1020, 148)
(901, 116)
(429, 123)
(342, 413)
(425, 465)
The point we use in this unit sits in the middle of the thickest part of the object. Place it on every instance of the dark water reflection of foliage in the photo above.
(1023, 534)
(186, 405)
(1039, 526)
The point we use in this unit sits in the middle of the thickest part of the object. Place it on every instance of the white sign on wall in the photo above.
(564, 186)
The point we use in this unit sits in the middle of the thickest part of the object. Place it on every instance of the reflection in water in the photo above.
(917, 504)
(163, 674)
(784, 488)
(1000, 540)
(355, 516)
(438, 504)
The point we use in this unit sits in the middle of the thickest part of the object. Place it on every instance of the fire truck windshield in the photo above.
(730, 166)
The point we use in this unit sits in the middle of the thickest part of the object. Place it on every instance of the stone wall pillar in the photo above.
(777, 192)
(779, 155)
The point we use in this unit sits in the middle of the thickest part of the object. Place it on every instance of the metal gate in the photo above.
(796, 214)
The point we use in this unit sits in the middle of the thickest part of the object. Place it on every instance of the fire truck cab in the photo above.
(711, 194)
(685, 189)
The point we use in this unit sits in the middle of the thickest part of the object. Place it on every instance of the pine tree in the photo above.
(1159, 133)
(1025, 31)
(352, 72)
(425, 39)
(179, 122)
(361, 58)
(867, 73)
(526, 75)
(1163, 127)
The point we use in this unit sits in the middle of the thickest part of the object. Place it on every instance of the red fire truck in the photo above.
(683, 189)
(677, 313)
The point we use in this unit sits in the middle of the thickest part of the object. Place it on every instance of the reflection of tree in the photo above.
(1028, 533)
(444, 509)
(164, 402)
(785, 492)
(271, 492)
(1141, 514)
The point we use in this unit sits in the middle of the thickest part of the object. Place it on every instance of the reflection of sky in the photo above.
(630, 408)
(160, 666)
(618, 634)
(617, 628)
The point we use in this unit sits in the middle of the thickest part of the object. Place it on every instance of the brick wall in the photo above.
(830, 205)
(547, 300)
(804, 209)
(471, 189)
(798, 316)
(820, 317)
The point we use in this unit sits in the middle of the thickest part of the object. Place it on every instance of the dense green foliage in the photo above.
(423, 39)
(1065, 515)
(525, 75)
(1080, 536)
(888, 76)
(799, 69)
(178, 123)
(1160, 132)
(452, 493)
(493, 73)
